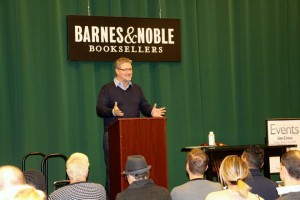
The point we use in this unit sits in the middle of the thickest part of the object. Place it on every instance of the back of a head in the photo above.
(77, 166)
(197, 161)
(10, 176)
(26, 192)
(36, 179)
(233, 171)
(254, 155)
(291, 161)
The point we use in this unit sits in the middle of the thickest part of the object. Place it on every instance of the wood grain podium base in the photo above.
(137, 136)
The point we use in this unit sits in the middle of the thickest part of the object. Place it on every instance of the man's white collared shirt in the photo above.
(118, 83)
(287, 189)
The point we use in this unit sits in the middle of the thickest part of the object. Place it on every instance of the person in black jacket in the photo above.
(140, 186)
(264, 187)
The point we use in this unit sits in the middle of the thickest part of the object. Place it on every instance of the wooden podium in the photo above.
(137, 136)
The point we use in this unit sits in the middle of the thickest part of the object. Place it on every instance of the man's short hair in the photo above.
(77, 166)
(254, 155)
(122, 60)
(197, 161)
(291, 161)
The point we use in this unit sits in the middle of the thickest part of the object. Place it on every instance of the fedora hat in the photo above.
(136, 164)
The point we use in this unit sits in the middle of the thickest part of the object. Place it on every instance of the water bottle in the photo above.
(211, 139)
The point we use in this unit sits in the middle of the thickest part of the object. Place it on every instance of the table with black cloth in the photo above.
(217, 153)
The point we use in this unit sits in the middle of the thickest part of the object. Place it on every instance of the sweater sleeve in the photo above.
(104, 106)
(145, 107)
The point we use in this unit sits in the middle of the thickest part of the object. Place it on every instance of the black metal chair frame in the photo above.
(44, 163)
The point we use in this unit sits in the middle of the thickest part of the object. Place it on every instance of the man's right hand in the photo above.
(117, 111)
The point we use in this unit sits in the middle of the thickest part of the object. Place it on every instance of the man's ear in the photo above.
(262, 165)
(130, 179)
(243, 157)
(206, 168)
(187, 167)
(283, 172)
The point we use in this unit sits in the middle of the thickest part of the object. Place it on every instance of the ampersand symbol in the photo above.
(129, 38)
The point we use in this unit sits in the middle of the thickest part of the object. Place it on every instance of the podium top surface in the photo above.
(234, 147)
(137, 120)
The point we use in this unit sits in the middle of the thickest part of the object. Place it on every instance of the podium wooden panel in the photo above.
(137, 136)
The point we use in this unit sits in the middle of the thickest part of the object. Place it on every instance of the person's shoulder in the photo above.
(179, 191)
(60, 192)
(180, 187)
(272, 184)
(161, 188)
(212, 182)
(261, 180)
(119, 196)
(89, 185)
(211, 185)
(185, 185)
(95, 184)
(158, 188)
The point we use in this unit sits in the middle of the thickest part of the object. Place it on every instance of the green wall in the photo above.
(240, 65)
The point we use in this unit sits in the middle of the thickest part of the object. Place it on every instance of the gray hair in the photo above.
(78, 166)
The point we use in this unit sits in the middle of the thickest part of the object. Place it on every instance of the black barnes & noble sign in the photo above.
(96, 38)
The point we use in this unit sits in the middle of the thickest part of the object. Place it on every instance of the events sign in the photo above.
(284, 131)
(97, 38)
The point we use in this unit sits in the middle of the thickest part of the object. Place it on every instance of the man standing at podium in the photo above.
(122, 98)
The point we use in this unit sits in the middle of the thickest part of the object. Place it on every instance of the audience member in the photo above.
(77, 170)
(264, 187)
(290, 174)
(140, 186)
(36, 179)
(13, 185)
(233, 171)
(10, 176)
(197, 187)
(27, 192)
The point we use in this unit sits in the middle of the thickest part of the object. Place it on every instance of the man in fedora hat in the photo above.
(140, 186)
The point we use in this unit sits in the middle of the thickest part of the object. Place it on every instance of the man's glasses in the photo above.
(125, 70)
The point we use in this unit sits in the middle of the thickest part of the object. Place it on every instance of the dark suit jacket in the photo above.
(261, 185)
(144, 189)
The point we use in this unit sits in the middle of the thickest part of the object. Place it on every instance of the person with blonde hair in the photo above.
(78, 170)
(13, 185)
(28, 192)
(10, 176)
(233, 171)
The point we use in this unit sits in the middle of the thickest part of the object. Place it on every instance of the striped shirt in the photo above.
(80, 190)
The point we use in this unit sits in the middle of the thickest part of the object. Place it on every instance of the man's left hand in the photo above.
(158, 112)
